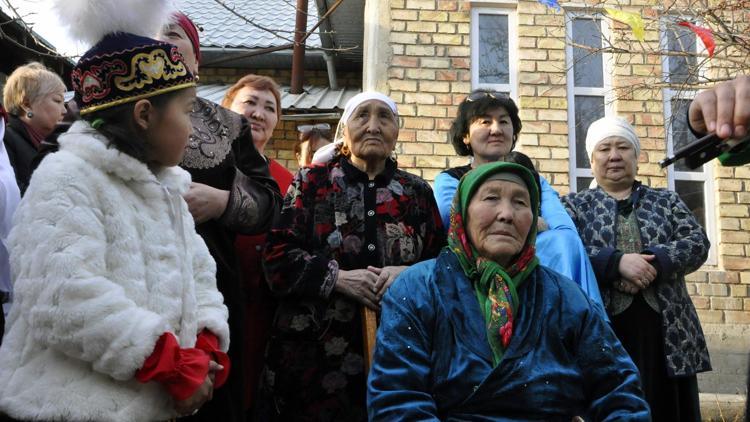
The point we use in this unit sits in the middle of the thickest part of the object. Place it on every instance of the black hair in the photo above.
(118, 125)
(468, 111)
(524, 160)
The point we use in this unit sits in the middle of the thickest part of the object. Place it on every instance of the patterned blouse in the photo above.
(335, 218)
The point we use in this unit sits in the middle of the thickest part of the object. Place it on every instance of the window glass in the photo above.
(588, 108)
(682, 69)
(493, 49)
(587, 65)
(691, 193)
(681, 134)
(583, 183)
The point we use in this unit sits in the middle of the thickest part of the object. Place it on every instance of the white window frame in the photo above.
(707, 175)
(572, 90)
(512, 85)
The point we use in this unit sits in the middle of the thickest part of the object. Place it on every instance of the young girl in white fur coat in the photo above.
(116, 314)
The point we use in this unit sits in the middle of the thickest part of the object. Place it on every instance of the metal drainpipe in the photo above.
(333, 81)
(298, 56)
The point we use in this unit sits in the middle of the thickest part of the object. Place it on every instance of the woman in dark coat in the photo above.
(258, 99)
(33, 96)
(642, 242)
(347, 229)
(232, 193)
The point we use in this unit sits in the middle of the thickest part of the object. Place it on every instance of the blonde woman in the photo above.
(34, 99)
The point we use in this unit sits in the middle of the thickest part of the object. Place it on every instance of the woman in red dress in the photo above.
(258, 99)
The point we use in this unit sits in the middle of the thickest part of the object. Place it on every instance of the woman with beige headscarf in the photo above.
(642, 242)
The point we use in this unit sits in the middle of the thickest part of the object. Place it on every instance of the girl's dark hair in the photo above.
(524, 160)
(469, 110)
(118, 125)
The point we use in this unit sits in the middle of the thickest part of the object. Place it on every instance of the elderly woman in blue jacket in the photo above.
(485, 332)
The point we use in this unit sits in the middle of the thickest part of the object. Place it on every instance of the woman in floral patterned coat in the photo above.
(642, 242)
(347, 229)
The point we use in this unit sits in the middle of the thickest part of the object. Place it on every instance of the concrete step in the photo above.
(729, 347)
(722, 407)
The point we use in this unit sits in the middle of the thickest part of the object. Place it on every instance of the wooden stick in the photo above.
(369, 331)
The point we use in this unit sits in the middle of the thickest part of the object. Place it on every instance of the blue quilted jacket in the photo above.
(433, 362)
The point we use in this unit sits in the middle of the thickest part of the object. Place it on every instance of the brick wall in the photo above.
(429, 75)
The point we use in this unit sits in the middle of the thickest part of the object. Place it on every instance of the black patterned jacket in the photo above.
(220, 153)
(671, 233)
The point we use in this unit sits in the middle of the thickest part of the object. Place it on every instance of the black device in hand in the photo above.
(703, 150)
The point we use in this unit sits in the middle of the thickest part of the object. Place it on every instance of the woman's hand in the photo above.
(206, 203)
(386, 276)
(637, 269)
(723, 109)
(359, 285)
(203, 394)
(626, 287)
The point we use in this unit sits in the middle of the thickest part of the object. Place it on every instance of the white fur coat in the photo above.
(105, 259)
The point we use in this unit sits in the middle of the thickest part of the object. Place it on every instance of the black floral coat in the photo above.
(670, 232)
(335, 218)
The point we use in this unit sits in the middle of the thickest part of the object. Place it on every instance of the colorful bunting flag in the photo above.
(552, 4)
(634, 21)
(705, 34)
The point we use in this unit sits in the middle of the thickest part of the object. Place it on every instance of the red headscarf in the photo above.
(191, 30)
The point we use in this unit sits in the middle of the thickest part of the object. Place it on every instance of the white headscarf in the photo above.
(326, 153)
(611, 126)
(10, 196)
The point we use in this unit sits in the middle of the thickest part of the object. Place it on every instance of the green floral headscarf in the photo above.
(494, 285)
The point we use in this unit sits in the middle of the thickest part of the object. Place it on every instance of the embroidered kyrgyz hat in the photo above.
(124, 67)
(124, 64)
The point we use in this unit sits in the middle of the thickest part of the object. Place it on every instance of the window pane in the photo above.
(681, 134)
(587, 66)
(493, 49)
(692, 194)
(682, 69)
(583, 183)
(587, 110)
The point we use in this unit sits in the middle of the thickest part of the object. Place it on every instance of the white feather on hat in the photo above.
(91, 20)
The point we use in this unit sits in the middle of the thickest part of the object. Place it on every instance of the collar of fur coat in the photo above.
(85, 142)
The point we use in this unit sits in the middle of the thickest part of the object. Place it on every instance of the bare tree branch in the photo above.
(697, 70)
(17, 18)
(274, 32)
(277, 32)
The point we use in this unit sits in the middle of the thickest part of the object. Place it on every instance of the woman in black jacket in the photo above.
(33, 96)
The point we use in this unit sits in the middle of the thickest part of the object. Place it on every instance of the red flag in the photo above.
(705, 34)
